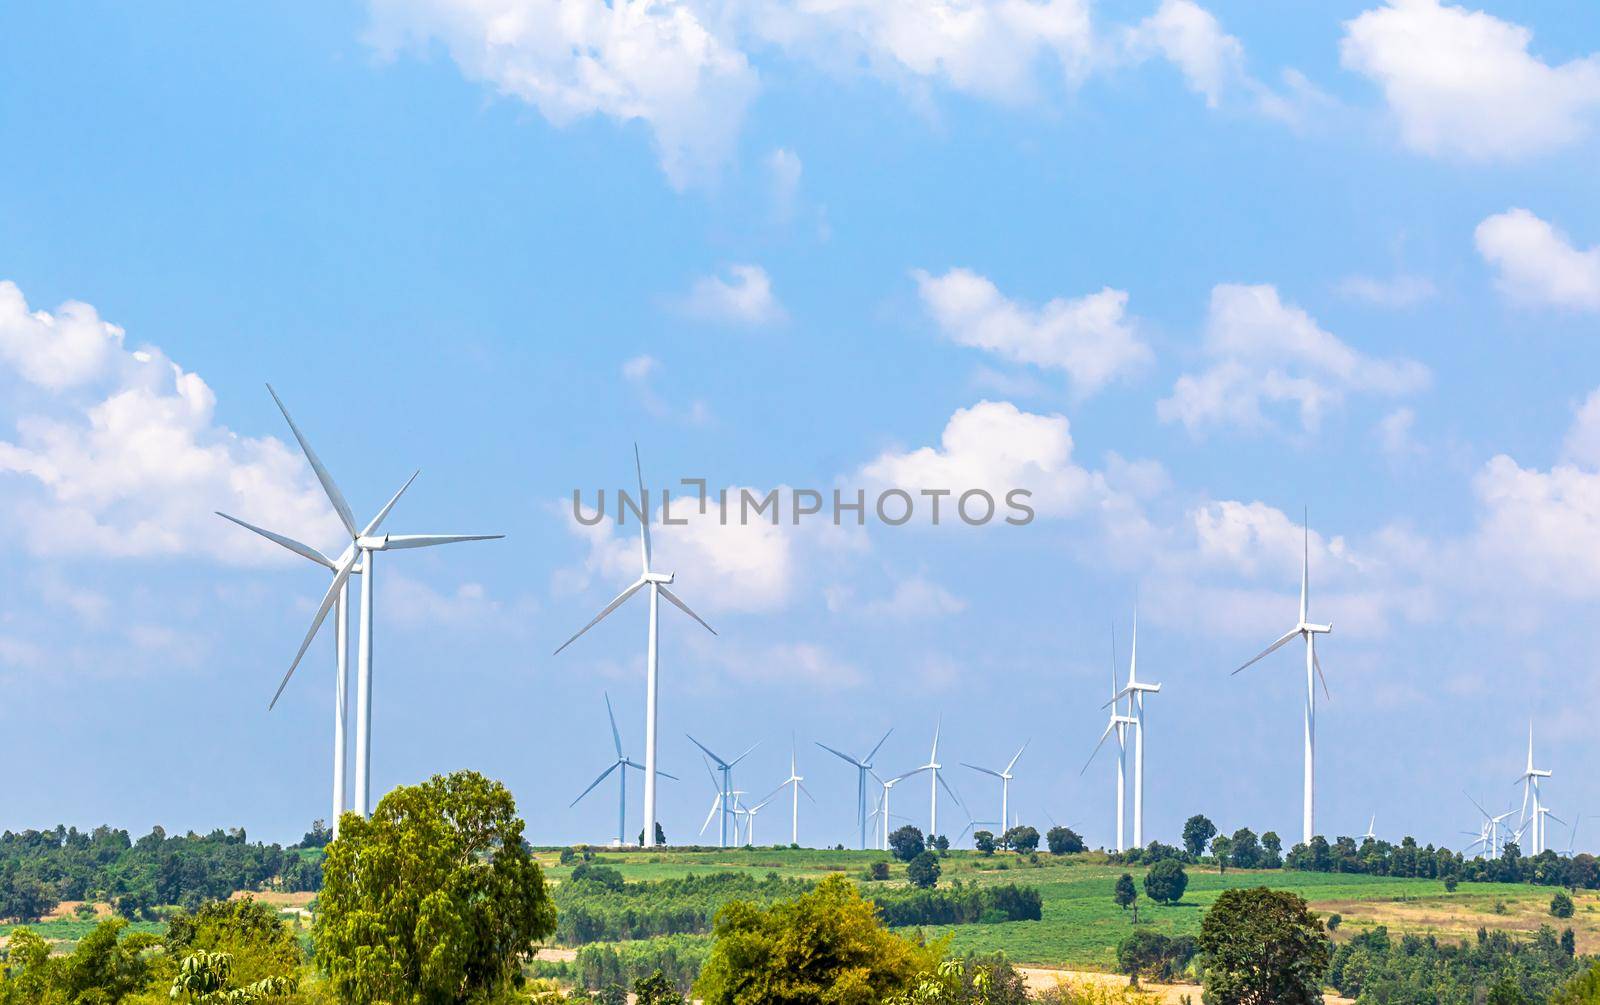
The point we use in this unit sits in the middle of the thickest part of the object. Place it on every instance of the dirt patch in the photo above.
(555, 954)
(67, 910)
(1044, 978)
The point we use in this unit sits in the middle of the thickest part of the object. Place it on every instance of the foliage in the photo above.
(678, 958)
(1067, 993)
(1127, 895)
(435, 898)
(106, 966)
(1166, 881)
(1372, 967)
(1561, 905)
(826, 946)
(207, 979)
(1334, 921)
(1022, 839)
(972, 981)
(878, 871)
(661, 835)
(1584, 989)
(257, 942)
(923, 871)
(1263, 947)
(959, 904)
(1197, 830)
(595, 905)
(1221, 849)
(1244, 851)
(656, 990)
(906, 843)
(1144, 953)
(1271, 850)
(1063, 840)
(983, 841)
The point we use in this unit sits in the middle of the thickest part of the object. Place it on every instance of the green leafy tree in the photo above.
(656, 990)
(1127, 895)
(922, 872)
(906, 843)
(983, 841)
(1221, 849)
(1197, 831)
(433, 899)
(661, 835)
(826, 946)
(1245, 849)
(257, 942)
(1561, 905)
(1063, 840)
(1271, 850)
(941, 844)
(878, 871)
(208, 979)
(1166, 881)
(1141, 953)
(1583, 989)
(1263, 947)
(1022, 839)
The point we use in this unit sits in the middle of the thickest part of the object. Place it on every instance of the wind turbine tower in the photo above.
(1530, 779)
(863, 768)
(1135, 692)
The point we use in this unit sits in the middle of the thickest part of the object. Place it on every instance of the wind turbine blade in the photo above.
(744, 755)
(1316, 661)
(339, 578)
(806, 791)
(334, 495)
(644, 522)
(396, 542)
(303, 550)
(1014, 760)
(987, 771)
(720, 762)
(716, 804)
(1103, 737)
(840, 754)
(372, 527)
(953, 794)
(603, 775)
(774, 792)
(1475, 802)
(680, 605)
(616, 737)
(621, 597)
(1305, 565)
(879, 746)
(1271, 649)
(663, 774)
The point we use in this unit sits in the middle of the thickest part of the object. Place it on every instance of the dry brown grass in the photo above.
(1460, 915)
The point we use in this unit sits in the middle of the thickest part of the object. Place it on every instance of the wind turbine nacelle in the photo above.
(1316, 629)
(657, 577)
(373, 543)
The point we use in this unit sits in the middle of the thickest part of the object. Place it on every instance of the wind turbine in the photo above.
(364, 545)
(1530, 779)
(798, 782)
(1005, 776)
(1119, 724)
(934, 783)
(883, 802)
(657, 581)
(1369, 835)
(726, 768)
(1135, 692)
(863, 767)
(621, 766)
(1492, 825)
(750, 818)
(1309, 632)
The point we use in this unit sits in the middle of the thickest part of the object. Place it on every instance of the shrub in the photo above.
(878, 871)
(923, 871)
(983, 841)
(1334, 921)
(1561, 905)
(1166, 881)
(1063, 841)
(906, 843)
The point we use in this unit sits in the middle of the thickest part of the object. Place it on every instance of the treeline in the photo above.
(957, 904)
(595, 904)
(38, 869)
(678, 958)
(1372, 967)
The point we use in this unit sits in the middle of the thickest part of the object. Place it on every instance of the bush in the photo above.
(1561, 905)
(906, 843)
(923, 872)
(1166, 881)
(983, 841)
(1334, 921)
(1021, 839)
(958, 904)
(1063, 841)
(878, 871)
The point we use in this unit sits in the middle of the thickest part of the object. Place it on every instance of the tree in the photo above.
(1221, 847)
(1263, 947)
(1271, 850)
(1127, 895)
(1063, 840)
(983, 841)
(25, 898)
(1245, 849)
(878, 871)
(656, 990)
(827, 945)
(434, 898)
(208, 979)
(923, 871)
(1583, 989)
(1561, 905)
(661, 835)
(1022, 839)
(1166, 881)
(906, 843)
(318, 836)
(256, 941)
(1197, 830)
(1140, 952)
(941, 844)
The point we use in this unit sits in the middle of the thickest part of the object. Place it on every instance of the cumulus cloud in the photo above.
(1396, 436)
(1462, 82)
(784, 168)
(744, 297)
(1266, 352)
(640, 373)
(1193, 40)
(1392, 291)
(632, 60)
(117, 451)
(910, 599)
(1091, 338)
(1536, 264)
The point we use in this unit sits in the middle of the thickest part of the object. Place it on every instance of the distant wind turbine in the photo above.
(1134, 691)
(1369, 835)
(657, 582)
(726, 768)
(934, 783)
(1005, 776)
(798, 782)
(1117, 724)
(863, 767)
(1530, 779)
(621, 766)
(1309, 631)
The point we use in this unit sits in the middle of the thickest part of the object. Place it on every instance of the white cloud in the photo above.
(1543, 526)
(798, 665)
(911, 599)
(1396, 434)
(1462, 82)
(1393, 292)
(1582, 444)
(1267, 352)
(744, 298)
(1192, 39)
(1537, 264)
(640, 372)
(118, 453)
(785, 170)
(1090, 338)
(654, 62)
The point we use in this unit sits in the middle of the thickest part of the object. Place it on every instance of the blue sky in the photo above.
(1179, 270)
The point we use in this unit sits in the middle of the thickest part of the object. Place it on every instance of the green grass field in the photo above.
(1082, 925)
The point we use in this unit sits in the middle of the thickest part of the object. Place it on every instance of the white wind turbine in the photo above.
(798, 782)
(1005, 776)
(621, 766)
(1369, 835)
(1118, 724)
(863, 767)
(1135, 692)
(1489, 832)
(728, 804)
(750, 818)
(883, 803)
(1309, 632)
(935, 782)
(657, 582)
(364, 544)
(1530, 779)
